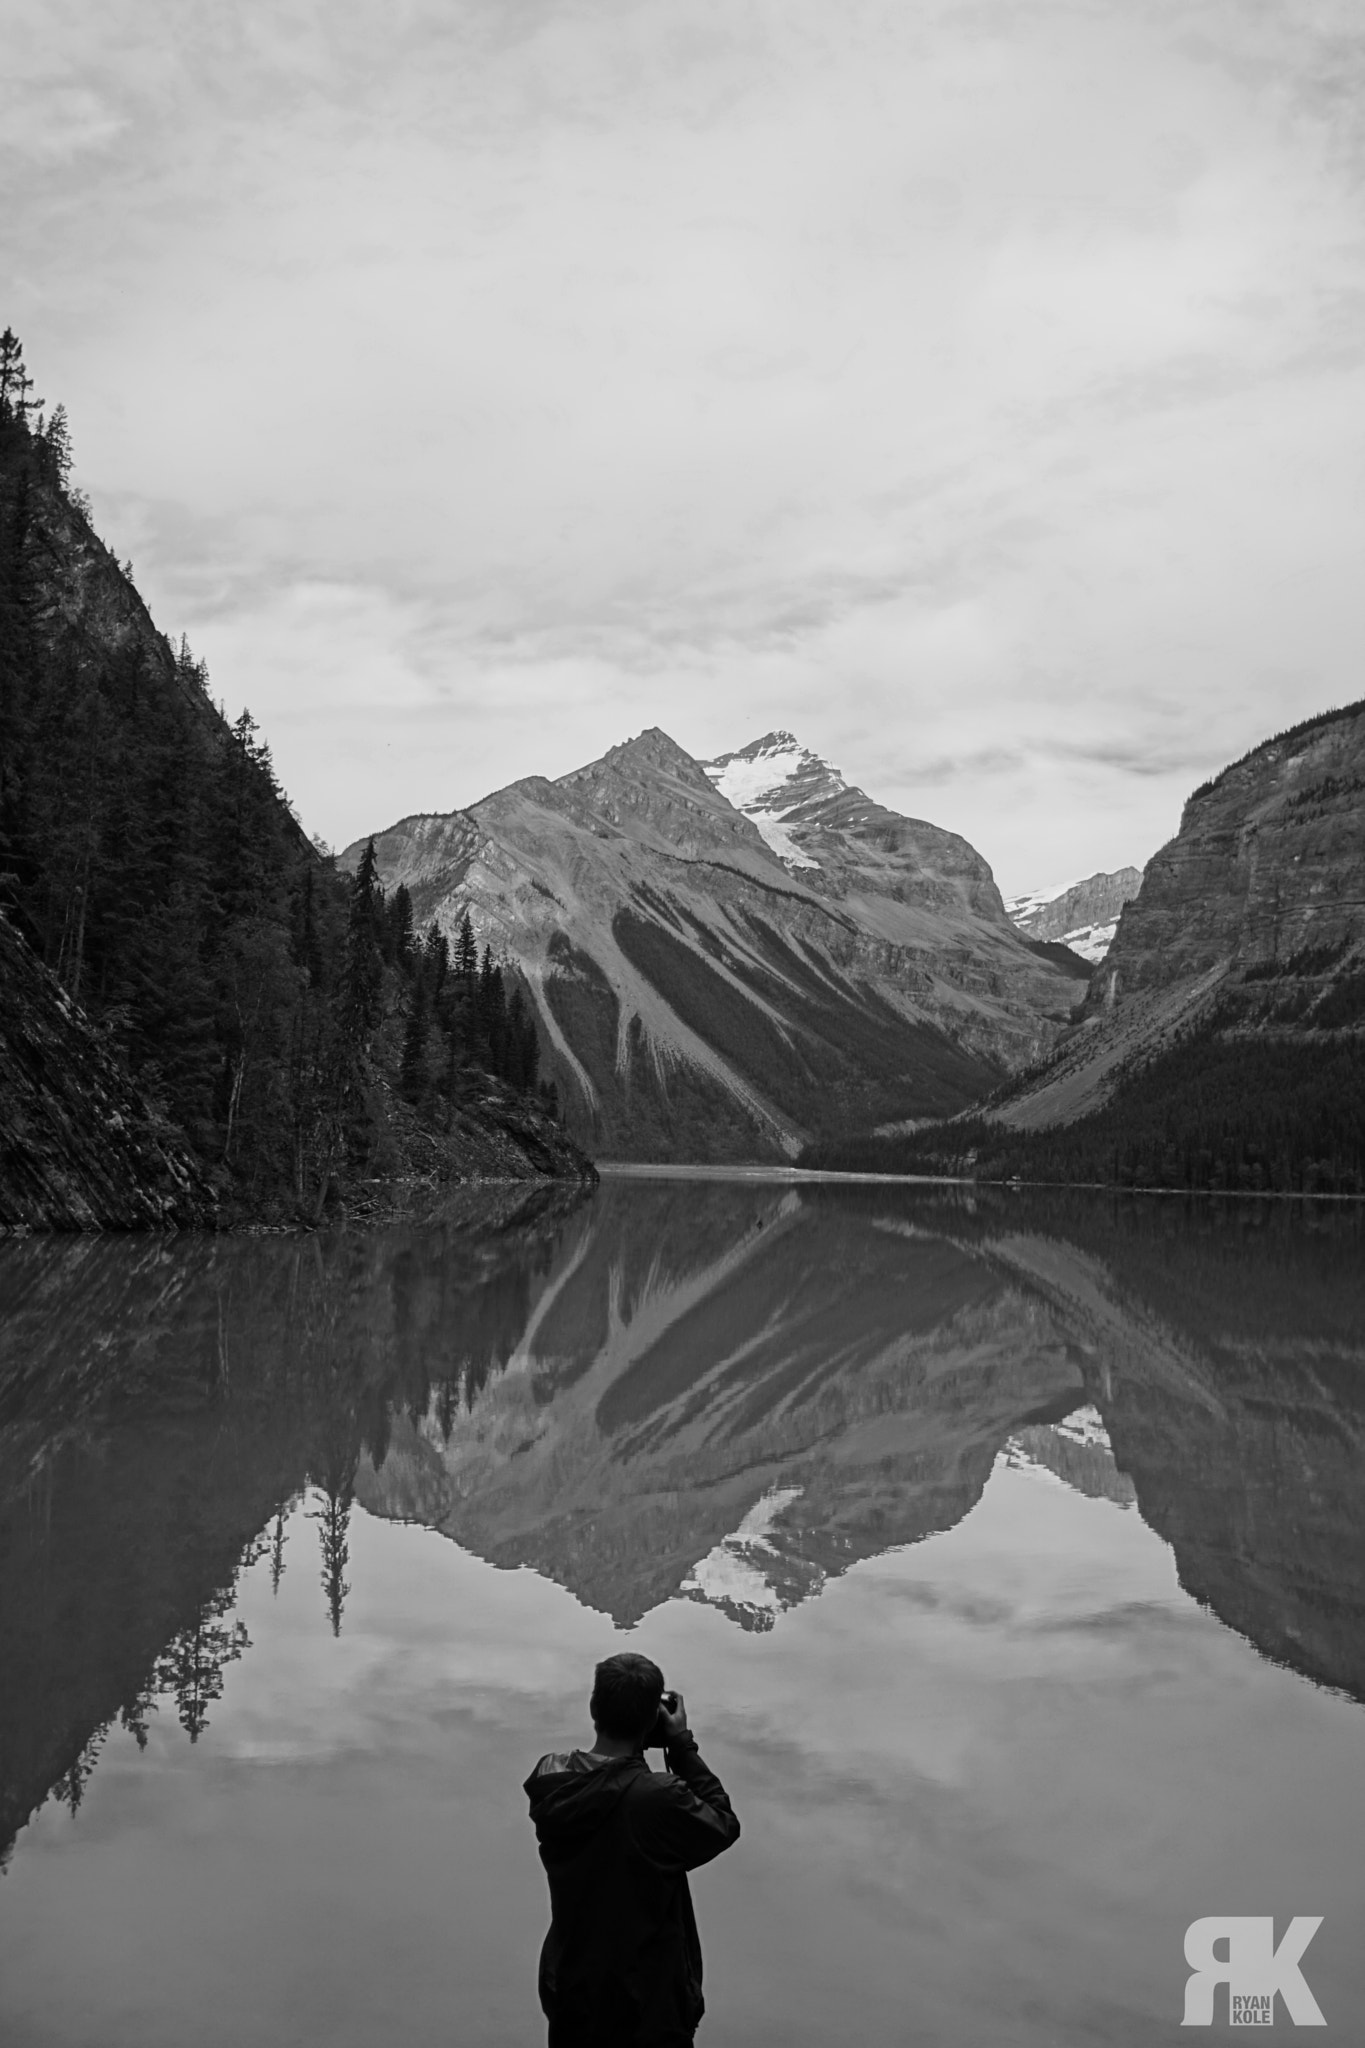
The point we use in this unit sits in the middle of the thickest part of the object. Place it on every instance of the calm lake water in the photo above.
(1010, 1552)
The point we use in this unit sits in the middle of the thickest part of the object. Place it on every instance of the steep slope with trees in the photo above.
(78, 1144)
(254, 1001)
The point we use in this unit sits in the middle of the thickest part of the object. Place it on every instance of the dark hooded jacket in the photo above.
(621, 1965)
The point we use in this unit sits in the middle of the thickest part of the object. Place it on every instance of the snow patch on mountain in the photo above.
(1091, 941)
(1083, 915)
(1021, 908)
(732, 1576)
(777, 835)
(768, 780)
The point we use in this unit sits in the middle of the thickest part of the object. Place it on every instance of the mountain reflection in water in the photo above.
(724, 1392)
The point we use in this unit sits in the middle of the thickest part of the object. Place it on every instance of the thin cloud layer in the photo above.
(974, 389)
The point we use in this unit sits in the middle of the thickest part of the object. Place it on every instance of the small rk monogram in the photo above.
(1254, 1971)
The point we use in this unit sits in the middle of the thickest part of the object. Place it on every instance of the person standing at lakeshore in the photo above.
(621, 1965)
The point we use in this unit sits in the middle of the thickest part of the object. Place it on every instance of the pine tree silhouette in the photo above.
(413, 1072)
(277, 1543)
(364, 958)
(334, 1522)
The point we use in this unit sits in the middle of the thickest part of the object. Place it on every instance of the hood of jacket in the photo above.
(573, 1795)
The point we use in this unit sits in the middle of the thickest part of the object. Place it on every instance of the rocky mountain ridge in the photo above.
(1267, 868)
(1251, 920)
(774, 781)
(843, 842)
(1082, 915)
(712, 984)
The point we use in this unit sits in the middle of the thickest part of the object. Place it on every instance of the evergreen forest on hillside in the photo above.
(1222, 1111)
(285, 1018)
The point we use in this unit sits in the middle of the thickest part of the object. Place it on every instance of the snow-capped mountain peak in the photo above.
(1082, 915)
(1021, 907)
(771, 778)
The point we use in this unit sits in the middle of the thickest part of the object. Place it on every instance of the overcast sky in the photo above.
(975, 389)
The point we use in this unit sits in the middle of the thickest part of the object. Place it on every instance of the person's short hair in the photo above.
(626, 1693)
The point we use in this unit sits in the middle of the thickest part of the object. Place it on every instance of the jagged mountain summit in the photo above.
(1082, 915)
(705, 993)
(840, 841)
(776, 782)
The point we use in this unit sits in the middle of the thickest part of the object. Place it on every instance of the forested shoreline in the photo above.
(284, 1019)
(1221, 1112)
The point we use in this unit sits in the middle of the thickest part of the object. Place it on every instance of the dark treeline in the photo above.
(1290, 733)
(458, 1012)
(148, 855)
(1235, 1113)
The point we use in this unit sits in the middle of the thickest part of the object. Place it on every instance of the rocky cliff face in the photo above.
(1082, 915)
(79, 1147)
(1266, 875)
(1251, 919)
(712, 986)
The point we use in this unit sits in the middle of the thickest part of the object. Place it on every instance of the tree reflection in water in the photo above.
(611, 1392)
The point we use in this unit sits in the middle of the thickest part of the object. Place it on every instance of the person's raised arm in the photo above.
(694, 1820)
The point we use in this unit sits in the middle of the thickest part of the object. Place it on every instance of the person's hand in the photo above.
(672, 1717)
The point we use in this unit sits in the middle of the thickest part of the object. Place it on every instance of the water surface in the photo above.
(1010, 1552)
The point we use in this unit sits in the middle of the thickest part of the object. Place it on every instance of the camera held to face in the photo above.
(661, 1731)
